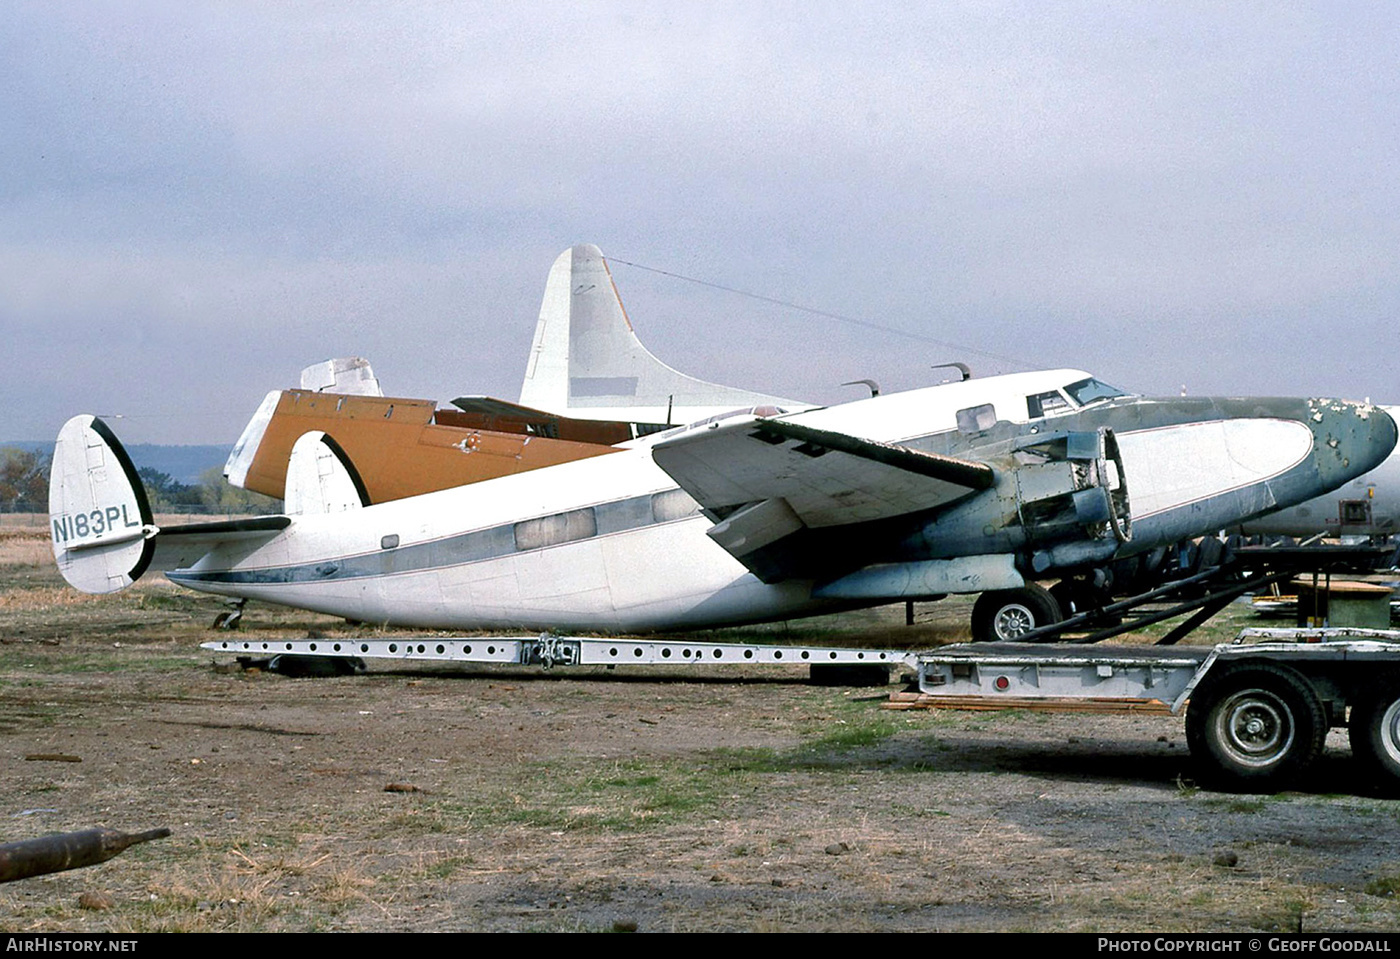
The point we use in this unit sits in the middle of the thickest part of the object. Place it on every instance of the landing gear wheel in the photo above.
(1006, 615)
(1374, 730)
(1255, 728)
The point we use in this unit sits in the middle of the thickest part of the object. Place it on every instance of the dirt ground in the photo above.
(594, 800)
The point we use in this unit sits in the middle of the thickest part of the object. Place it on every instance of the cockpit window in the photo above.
(1042, 404)
(1091, 390)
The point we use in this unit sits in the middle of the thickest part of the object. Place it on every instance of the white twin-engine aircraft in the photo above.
(761, 513)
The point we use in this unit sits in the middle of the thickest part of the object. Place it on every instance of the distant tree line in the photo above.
(24, 481)
(168, 495)
(24, 488)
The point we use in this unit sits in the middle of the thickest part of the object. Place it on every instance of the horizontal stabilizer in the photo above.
(490, 406)
(99, 516)
(181, 546)
(826, 478)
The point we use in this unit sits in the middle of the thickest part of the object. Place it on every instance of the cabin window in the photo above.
(1043, 404)
(389, 542)
(671, 504)
(976, 419)
(567, 527)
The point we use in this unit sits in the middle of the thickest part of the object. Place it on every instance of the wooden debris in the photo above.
(914, 700)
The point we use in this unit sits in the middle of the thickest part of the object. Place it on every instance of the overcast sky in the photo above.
(197, 200)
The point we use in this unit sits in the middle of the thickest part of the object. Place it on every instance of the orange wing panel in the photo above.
(397, 448)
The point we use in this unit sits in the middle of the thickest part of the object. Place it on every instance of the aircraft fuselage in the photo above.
(612, 544)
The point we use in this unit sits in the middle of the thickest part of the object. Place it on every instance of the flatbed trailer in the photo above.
(1257, 709)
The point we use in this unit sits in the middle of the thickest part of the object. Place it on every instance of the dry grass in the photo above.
(25, 548)
(571, 800)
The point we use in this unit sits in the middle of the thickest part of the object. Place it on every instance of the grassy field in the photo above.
(506, 798)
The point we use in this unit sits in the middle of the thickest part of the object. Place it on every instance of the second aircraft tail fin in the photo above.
(586, 361)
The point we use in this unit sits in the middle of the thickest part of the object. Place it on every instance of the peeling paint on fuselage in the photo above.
(1368, 505)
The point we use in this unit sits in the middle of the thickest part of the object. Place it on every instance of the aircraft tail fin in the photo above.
(104, 534)
(99, 516)
(321, 478)
(586, 362)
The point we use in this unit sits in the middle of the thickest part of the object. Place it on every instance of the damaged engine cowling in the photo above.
(1070, 486)
(1060, 501)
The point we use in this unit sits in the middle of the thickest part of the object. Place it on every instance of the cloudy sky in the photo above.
(197, 200)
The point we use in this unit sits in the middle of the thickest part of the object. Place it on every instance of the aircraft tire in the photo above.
(1077, 597)
(1374, 731)
(1255, 727)
(1004, 615)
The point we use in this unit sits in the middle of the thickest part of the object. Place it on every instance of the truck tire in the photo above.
(1005, 615)
(1255, 727)
(1374, 730)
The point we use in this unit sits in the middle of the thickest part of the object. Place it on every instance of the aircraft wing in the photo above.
(822, 478)
(490, 406)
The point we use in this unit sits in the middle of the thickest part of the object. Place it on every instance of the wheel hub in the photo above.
(1390, 731)
(1258, 729)
(1013, 621)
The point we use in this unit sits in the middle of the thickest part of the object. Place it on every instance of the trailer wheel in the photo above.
(1374, 730)
(1005, 615)
(1257, 727)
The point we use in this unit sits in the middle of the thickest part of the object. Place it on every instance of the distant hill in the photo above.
(184, 464)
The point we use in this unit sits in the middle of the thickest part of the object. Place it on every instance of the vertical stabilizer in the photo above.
(99, 516)
(321, 478)
(586, 362)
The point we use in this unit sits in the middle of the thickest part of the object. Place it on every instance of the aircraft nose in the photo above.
(1351, 438)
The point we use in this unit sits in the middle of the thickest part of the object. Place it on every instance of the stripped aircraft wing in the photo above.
(765, 479)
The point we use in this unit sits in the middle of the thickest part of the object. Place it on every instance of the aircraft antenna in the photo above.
(874, 387)
(840, 317)
(962, 368)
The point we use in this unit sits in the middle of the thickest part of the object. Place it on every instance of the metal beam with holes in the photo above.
(549, 650)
